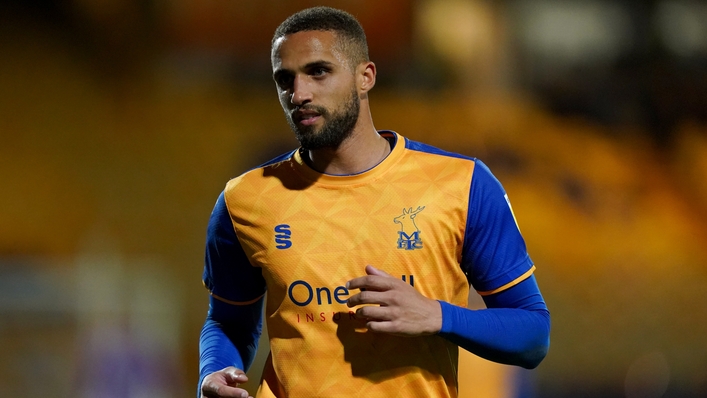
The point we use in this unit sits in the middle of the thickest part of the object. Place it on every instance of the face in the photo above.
(317, 88)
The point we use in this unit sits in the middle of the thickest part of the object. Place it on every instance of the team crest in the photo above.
(409, 234)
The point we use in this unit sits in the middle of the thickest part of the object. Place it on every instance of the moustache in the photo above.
(309, 109)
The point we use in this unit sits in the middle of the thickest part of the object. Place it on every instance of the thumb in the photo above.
(235, 376)
(371, 270)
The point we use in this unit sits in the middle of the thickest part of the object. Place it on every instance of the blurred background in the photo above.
(122, 120)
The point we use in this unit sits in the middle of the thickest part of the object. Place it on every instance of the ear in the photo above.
(365, 77)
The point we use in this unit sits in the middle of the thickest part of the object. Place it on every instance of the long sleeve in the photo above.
(514, 329)
(233, 325)
(229, 336)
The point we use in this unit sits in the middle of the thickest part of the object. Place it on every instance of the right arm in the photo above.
(229, 338)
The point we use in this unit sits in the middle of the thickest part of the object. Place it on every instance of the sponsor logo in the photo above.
(323, 294)
(283, 236)
(505, 196)
(409, 234)
(301, 293)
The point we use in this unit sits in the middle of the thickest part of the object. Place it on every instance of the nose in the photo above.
(301, 91)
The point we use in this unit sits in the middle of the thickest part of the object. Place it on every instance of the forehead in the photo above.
(301, 48)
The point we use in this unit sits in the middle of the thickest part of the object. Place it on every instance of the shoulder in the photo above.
(440, 162)
(423, 148)
(259, 174)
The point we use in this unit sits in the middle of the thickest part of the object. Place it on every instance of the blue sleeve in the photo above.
(229, 337)
(494, 252)
(234, 321)
(228, 273)
(514, 329)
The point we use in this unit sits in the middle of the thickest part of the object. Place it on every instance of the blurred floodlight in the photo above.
(573, 32)
(458, 30)
(648, 376)
(468, 36)
(682, 26)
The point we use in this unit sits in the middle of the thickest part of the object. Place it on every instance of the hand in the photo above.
(402, 310)
(224, 384)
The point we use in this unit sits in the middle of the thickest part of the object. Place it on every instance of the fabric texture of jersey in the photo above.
(435, 219)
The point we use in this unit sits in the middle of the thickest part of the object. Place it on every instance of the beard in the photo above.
(338, 125)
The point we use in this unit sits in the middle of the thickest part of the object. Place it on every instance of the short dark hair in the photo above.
(349, 31)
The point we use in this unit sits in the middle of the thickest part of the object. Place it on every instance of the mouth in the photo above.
(306, 117)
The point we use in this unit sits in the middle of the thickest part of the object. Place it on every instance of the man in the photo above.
(365, 244)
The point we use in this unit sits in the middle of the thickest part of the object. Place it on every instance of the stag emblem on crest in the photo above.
(409, 234)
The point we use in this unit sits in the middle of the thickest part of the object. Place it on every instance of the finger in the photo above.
(235, 376)
(367, 297)
(380, 326)
(371, 270)
(374, 313)
(372, 282)
(212, 390)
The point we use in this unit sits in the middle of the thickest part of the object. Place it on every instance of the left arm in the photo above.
(514, 329)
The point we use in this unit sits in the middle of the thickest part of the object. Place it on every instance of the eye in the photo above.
(283, 80)
(319, 71)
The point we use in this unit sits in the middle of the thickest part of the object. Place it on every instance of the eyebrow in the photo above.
(310, 65)
(319, 63)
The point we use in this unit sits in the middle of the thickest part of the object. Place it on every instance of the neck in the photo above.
(364, 149)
